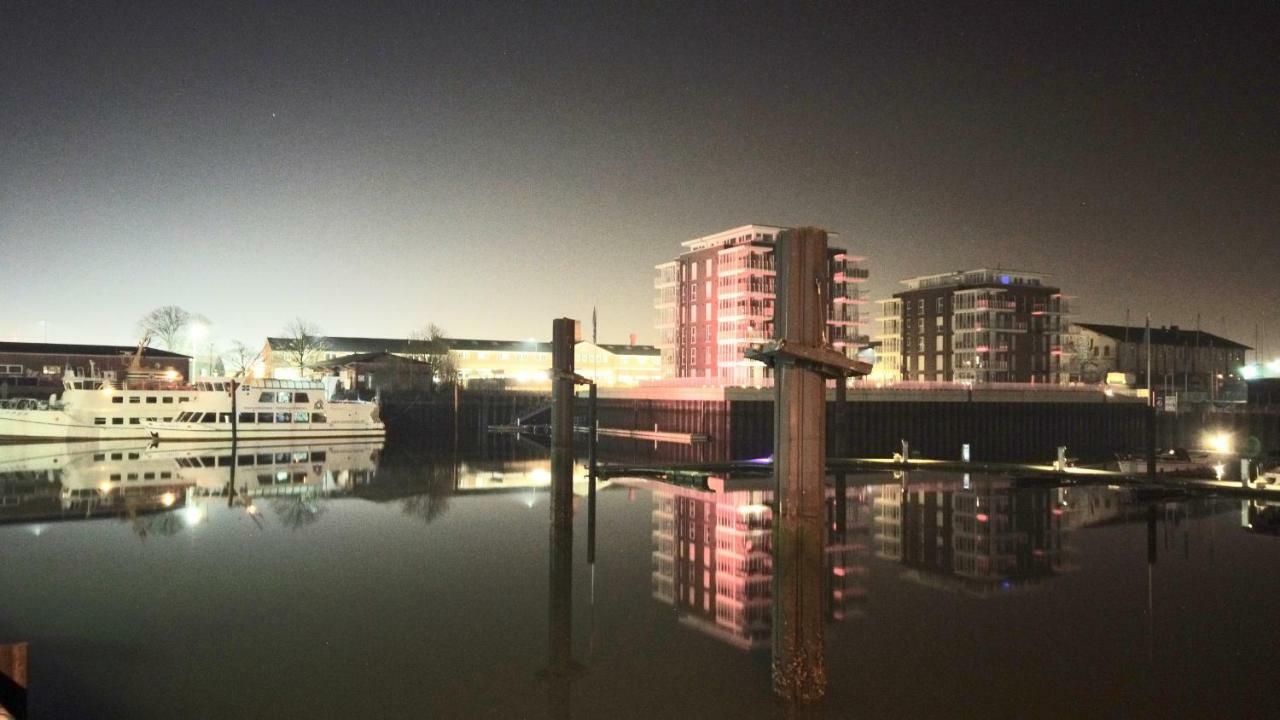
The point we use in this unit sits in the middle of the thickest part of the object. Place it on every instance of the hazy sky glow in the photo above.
(376, 166)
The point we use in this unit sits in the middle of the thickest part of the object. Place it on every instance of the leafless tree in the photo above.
(167, 323)
(435, 348)
(303, 343)
(239, 358)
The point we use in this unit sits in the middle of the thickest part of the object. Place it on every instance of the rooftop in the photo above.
(35, 348)
(409, 346)
(1163, 336)
(979, 276)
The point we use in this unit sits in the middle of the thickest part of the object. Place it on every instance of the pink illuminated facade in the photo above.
(716, 300)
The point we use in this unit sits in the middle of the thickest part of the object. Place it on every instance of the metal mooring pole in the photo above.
(803, 360)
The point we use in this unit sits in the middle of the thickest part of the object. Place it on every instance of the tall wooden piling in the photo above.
(800, 436)
(560, 664)
(564, 334)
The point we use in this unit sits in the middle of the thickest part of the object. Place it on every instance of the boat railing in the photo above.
(28, 404)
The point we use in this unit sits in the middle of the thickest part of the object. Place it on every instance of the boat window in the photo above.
(300, 456)
(264, 458)
(224, 460)
(115, 477)
(117, 399)
(267, 397)
(282, 459)
(245, 417)
(319, 456)
(133, 456)
(301, 397)
(209, 418)
(117, 456)
(99, 457)
(135, 421)
(284, 397)
(207, 461)
(244, 460)
(117, 421)
(167, 400)
(134, 399)
(302, 417)
(318, 418)
(149, 476)
(266, 418)
(284, 417)
(131, 476)
(166, 475)
(151, 399)
(151, 419)
(168, 419)
(184, 399)
(99, 421)
(224, 418)
(265, 479)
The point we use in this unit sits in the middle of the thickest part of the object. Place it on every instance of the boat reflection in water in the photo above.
(163, 488)
(712, 557)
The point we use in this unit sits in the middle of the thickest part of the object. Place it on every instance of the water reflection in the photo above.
(982, 536)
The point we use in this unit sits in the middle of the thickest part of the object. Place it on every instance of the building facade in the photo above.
(1181, 360)
(514, 364)
(974, 326)
(716, 300)
(31, 363)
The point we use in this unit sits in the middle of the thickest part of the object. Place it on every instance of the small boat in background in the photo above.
(1177, 461)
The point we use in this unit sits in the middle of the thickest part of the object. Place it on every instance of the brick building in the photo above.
(716, 300)
(974, 326)
(40, 364)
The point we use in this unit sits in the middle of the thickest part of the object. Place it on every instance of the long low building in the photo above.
(514, 364)
(33, 363)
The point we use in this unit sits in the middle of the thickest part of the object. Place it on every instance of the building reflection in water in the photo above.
(984, 535)
(712, 557)
(712, 547)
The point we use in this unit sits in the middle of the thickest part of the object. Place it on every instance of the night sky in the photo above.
(374, 167)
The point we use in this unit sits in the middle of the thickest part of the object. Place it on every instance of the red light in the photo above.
(1057, 511)
(982, 517)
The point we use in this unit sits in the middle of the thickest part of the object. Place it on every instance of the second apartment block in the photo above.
(974, 326)
(717, 298)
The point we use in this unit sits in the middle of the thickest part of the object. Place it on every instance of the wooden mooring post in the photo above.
(803, 359)
(13, 680)
(560, 666)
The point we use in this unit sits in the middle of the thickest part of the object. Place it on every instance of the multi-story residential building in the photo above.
(716, 300)
(516, 364)
(974, 326)
(1181, 360)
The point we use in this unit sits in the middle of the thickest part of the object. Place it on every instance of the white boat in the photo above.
(271, 410)
(1193, 463)
(99, 409)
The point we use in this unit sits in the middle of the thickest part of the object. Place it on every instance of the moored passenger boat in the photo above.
(95, 408)
(271, 409)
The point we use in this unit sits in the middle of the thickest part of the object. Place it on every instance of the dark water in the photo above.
(382, 582)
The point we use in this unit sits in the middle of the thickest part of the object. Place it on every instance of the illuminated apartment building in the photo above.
(974, 326)
(716, 300)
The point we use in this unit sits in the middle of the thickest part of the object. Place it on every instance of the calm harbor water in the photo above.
(364, 580)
